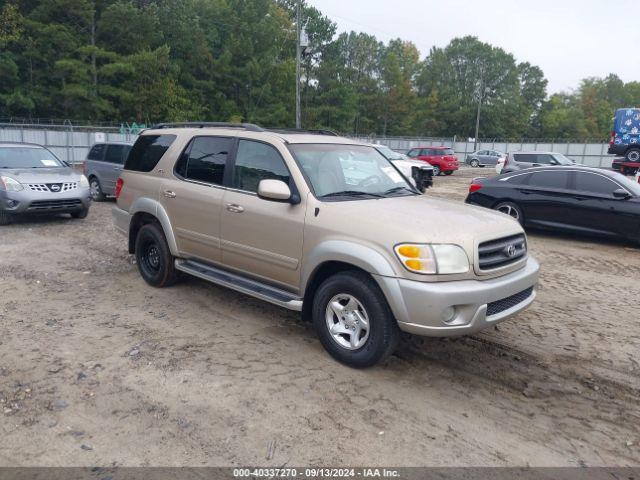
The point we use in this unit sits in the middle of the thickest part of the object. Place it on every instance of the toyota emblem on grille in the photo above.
(510, 250)
(55, 187)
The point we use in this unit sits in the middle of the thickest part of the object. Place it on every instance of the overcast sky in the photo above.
(568, 39)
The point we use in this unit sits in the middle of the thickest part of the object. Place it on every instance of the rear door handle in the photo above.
(169, 194)
(235, 208)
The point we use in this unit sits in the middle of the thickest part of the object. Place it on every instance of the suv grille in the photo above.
(501, 252)
(506, 303)
(57, 187)
(54, 204)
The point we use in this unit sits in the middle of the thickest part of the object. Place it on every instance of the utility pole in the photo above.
(298, 54)
(475, 143)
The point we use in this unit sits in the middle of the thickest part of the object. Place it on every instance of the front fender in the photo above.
(361, 256)
(155, 208)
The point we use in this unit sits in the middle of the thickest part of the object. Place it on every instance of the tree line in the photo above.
(234, 60)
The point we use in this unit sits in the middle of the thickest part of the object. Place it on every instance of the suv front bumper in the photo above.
(422, 307)
(28, 202)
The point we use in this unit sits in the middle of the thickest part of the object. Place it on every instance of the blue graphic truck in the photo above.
(625, 136)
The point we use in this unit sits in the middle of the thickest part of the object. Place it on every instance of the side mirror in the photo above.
(274, 190)
(621, 194)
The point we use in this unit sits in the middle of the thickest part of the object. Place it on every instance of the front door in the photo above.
(262, 238)
(192, 196)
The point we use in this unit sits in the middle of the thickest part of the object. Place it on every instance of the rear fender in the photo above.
(153, 207)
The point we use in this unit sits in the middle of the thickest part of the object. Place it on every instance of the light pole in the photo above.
(298, 53)
(483, 91)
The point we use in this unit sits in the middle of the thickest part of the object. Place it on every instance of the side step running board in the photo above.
(256, 289)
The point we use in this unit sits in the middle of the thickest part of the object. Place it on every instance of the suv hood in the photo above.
(42, 175)
(383, 223)
(411, 163)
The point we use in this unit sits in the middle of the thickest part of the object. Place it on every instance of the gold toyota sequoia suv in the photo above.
(321, 224)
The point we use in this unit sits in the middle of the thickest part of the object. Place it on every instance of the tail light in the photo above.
(119, 185)
(474, 187)
(612, 138)
(506, 159)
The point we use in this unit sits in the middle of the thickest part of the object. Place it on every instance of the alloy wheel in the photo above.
(347, 321)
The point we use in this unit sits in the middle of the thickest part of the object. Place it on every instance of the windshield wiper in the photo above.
(351, 193)
(398, 189)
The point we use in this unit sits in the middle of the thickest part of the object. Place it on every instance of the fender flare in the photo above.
(153, 207)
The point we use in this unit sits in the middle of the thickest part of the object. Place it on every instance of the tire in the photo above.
(436, 170)
(511, 209)
(377, 342)
(96, 190)
(474, 163)
(80, 214)
(5, 218)
(448, 172)
(155, 262)
(633, 155)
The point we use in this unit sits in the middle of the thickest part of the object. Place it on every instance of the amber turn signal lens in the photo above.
(409, 251)
(413, 264)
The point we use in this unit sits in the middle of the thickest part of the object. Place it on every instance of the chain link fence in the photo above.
(71, 142)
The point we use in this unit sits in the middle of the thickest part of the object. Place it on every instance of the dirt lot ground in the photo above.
(97, 368)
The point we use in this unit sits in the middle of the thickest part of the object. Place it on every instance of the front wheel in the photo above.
(633, 155)
(353, 320)
(436, 170)
(474, 163)
(80, 213)
(5, 218)
(95, 190)
(511, 209)
(154, 259)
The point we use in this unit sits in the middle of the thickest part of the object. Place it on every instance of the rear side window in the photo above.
(549, 179)
(590, 182)
(525, 157)
(97, 152)
(257, 161)
(205, 160)
(114, 154)
(147, 152)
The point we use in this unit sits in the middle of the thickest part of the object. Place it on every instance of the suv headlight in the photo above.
(441, 259)
(9, 184)
(83, 181)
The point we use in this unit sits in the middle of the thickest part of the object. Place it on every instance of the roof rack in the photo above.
(304, 130)
(246, 126)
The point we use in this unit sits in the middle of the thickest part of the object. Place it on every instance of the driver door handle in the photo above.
(169, 194)
(235, 208)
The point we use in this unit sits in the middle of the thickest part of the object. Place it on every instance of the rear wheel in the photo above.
(474, 163)
(95, 190)
(436, 170)
(353, 320)
(448, 172)
(633, 155)
(154, 259)
(511, 209)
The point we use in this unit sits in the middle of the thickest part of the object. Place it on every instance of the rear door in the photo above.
(546, 199)
(192, 196)
(262, 238)
(95, 159)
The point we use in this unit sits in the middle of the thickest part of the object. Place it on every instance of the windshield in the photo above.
(390, 154)
(345, 172)
(27, 157)
(562, 160)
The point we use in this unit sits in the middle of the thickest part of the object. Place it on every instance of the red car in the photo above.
(442, 159)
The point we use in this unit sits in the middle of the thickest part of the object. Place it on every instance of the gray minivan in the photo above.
(103, 166)
(515, 161)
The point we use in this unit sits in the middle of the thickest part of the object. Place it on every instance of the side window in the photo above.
(147, 152)
(544, 159)
(114, 154)
(413, 152)
(205, 159)
(257, 161)
(96, 152)
(525, 157)
(426, 151)
(590, 182)
(549, 179)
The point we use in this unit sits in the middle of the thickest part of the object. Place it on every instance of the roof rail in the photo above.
(304, 130)
(246, 126)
